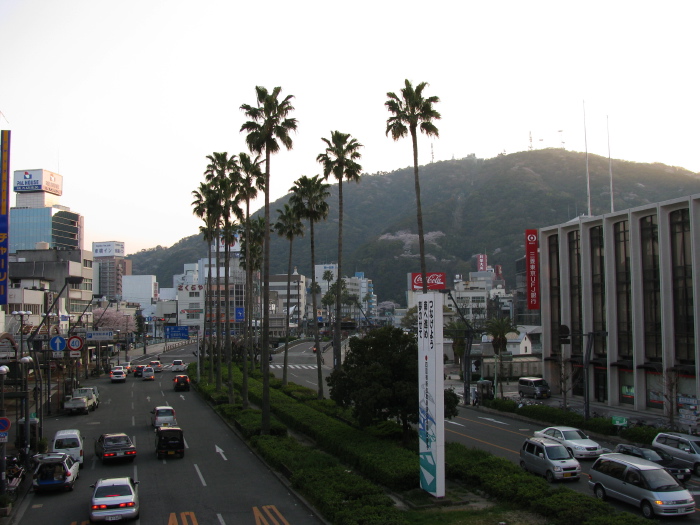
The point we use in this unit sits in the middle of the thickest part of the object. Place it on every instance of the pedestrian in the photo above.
(476, 399)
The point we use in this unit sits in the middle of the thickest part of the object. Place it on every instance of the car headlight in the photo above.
(579, 447)
(557, 469)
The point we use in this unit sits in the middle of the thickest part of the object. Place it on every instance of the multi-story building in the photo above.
(142, 289)
(38, 217)
(297, 301)
(112, 266)
(626, 284)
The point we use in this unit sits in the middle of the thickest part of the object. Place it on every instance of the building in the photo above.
(112, 266)
(142, 289)
(38, 217)
(297, 302)
(625, 285)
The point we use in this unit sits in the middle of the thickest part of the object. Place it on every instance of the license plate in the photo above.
(567, 474)
(165, 424)
(171, 452)
(120, 453)
(113, 518)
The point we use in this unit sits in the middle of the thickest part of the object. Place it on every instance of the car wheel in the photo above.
(521, 394)
(549, 476)
(647, 510)
(599, 492)
(522, 466)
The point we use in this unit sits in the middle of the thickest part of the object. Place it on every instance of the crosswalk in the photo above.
(295, 367)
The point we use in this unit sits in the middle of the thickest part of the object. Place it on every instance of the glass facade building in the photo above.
(57, 226)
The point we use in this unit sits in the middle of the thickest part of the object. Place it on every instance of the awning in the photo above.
(684, 369)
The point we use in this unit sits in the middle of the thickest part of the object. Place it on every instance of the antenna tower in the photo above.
(432, 153)
(530, 146)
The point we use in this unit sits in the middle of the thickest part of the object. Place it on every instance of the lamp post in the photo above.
(26, 361)
(145, 336)
(3, 447)
(50, 316)
(118, 353)
(22, 316)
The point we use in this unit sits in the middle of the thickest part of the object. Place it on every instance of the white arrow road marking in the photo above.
(148, 398)
(204, 483)
(219, 451)
(494, 421)
(183, 397)
(221, 519)
(454, 423)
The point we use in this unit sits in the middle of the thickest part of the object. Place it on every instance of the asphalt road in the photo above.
(219, 481)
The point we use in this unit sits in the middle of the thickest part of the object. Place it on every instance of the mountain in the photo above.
(470, 206)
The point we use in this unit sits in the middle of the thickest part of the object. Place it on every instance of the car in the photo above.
(117, 376)
(550, 459)
(118, 367)
(163, 416)
(70, 441)
(658, 456)
(127, 367)
(178, 365)
(147, 374)
(182, 382)
(138, 370)
(114, 499)
(683, 447)
(156, 365)
(54, 471)
(170, 441)
(534, 386)
(575, 441)
(640, 483)
(115, 446)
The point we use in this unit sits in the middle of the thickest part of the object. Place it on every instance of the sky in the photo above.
(125, 99)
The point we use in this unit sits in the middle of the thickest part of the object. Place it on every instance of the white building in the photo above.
(142, 289)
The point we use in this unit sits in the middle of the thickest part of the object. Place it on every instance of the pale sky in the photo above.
(126, 98)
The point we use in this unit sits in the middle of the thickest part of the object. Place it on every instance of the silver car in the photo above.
(683, 447)
(575, 441)
(549, 459)
(114, 499)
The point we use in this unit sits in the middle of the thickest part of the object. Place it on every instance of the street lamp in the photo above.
(49, 317)
(21, 315)
(3, 446)
(26, 361)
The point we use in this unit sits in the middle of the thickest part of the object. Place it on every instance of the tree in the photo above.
(309, 201)
(340, 159)
(410, 320)
(268, 126)
(498, 329)
(379, 379)
(410, 112)
(289, 226)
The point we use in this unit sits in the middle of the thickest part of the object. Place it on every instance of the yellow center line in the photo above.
(517, 452)
(499, 427)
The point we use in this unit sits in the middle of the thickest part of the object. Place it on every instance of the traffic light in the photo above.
(564, 335)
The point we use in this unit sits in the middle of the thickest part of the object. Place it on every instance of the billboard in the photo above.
(431, 408)
(4, 213)
(532, 272)
(108, 249)
(436, 281)
(31, 181)
(482, 264)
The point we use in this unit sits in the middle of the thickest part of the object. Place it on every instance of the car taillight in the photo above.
(130, 504)
(99, 507)
(67, 474)
(81, 451)
(130, 452)
(109, 454)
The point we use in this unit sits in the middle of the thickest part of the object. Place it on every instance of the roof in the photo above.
(642, 464)
(113, 481)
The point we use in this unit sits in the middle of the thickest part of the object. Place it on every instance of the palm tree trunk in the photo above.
(265, 363)
(314, 316)
(211, 332)
(338, 299)
(419, 211)
(248, 305)
(218, 311)
(286, 331)
(227, 325)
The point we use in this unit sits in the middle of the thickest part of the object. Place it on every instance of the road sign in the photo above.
(177, 332)
(57, 343)
(104, 335)
(619, 421)
(75, 353)
(3, 437)
(75, 343)
(5, 424)
(240, 314)
(57, 355)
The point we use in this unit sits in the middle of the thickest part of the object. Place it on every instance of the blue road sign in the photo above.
(57, 343)
(240, 314)
(177, 332)
(5, 424)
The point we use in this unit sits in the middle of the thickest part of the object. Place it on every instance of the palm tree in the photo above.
(410, 112)
(268, 126)
(309, 200)
(498, 329)
(288, 225)
(218, 175)
(328, 277)
(204, 202)
(252, 181)
(340, 159)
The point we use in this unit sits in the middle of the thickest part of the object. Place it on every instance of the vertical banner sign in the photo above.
(4, 214)
(431, 424)
(532, 271)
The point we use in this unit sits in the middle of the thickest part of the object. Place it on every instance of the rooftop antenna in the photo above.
(561, 138)
(612, 197)
(530, 146)
(588, 175)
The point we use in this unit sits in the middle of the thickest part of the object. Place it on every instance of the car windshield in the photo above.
(651, 455)
(663, 454)
(574, 434)
(117, 440)
(66, 443)
(661, 481)
(148, 369)
(113, 491)
(164, 412)
(696, 446)
(540, 382)
(557, 452)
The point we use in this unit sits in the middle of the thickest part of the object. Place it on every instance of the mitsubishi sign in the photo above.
(436, 281)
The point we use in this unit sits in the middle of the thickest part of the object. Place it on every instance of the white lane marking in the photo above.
(201, 478)
(454, 423)
(186, 445)
(220, 452)
(221, 519)
(494, 421)
(133, 421)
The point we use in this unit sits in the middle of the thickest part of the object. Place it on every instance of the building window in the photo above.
(682, 275)
(651, 287)
(623, 289)
(192, 316)
(194, 294)
(598, 291)
(554, 291)
(626, 387)
(574, 245)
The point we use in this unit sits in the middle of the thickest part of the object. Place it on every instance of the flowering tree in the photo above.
(112, 319)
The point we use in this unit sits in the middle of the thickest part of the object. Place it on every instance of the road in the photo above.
(219, 481)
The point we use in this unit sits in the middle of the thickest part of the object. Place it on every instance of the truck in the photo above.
(91, 392)
(83, 400)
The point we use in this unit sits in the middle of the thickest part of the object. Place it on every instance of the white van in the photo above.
(69, 442)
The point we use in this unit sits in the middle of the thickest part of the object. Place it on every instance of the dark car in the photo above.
(138, 371)
(182, 382)
(115, 446)
(170, 441)
(659, 457)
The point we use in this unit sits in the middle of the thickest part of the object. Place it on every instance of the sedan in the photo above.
(114, 499)
(117, 376)
(575, 441)
(147, 374)
(182, 382)
(658, 456)
(138, 371)
(115, 446)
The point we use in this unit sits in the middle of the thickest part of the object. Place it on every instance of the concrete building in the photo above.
(627, 286)
(110, 256)
(297, 304)
(142, 289)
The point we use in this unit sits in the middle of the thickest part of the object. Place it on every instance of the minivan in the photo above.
(683, 447)
(163, 416)
(533, 386)
(69, 442)
(550, 459)
(640, 483)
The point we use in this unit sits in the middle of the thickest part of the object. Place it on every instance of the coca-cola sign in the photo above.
(436, 281)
